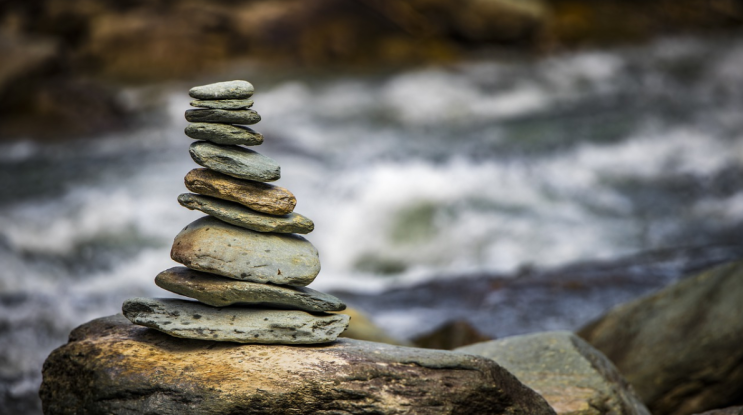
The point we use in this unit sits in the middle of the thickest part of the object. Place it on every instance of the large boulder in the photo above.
(682, 348)
(111, 366)
(571, 375)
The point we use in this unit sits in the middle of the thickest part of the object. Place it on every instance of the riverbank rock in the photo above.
(450, 335)
(224, 134)
(114, 367)
(235, 161)
(682, 348)
(571, 375)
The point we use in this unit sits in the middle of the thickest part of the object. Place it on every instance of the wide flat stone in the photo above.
(211, 245)
(223, 104)
(224, 134)
(235, 161)
(223, 116)
(193, 320)
(261, 197)
(111, 366)
(243, 217)
(223, 90)
(220, 291)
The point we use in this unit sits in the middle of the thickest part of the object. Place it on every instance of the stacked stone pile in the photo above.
(244, 262)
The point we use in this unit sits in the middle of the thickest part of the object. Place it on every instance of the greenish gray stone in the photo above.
(223, 90)
(223, 104)
(571, 375)
(192, 320)
(223, 116)
(224, 134)
(243, 217)
(235, 161)
(219, 291)
(210, 245)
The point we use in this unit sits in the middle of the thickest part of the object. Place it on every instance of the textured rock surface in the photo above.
(733, 410)
(111, 366)
(223, 90)
(680, 348)
(243, 217)
(235, 161)
(193, 320)
(211, 245)
(223, 116)
(261, 197)
(224, 134)
(220, 291)
(571, 375)
(223, 104)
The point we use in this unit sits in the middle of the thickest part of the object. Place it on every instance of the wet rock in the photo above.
(235, 161)
(238, 215)
(223, 104)
(114, 367)
(193, 320)
(681, 347)
(451, 335)
(223, 90)
(261, 197)
(571, 375)
(224, 134)
(219, 292)
(211, 245)
(223, 116)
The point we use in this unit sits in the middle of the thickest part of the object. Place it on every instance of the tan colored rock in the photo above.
(261, 197)
(362, 328)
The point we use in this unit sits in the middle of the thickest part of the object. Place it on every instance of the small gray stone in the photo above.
(223, 104)
(224, 134)
(243, 217)
(211, 245)
(223, 90)
(223, 116)
(235, 161)
(192, 320)
(219, 292)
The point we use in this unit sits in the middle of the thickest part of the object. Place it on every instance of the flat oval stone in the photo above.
(210, 245)
(224, 134)
(243, 217)
(223, 116)
(258, 196)
(223, 104)
(219, 292)
(223, 90)
(235, 161)
(191, 320)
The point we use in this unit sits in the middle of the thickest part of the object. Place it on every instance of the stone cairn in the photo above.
(244, 262)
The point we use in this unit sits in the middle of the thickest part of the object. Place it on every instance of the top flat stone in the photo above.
(223, 90)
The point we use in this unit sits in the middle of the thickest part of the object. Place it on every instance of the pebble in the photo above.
(191, 320)
(243, 217)
(210, 245)
(235, 161)
(220, 292)
(223, 104)
(223, 116)
(223, 90)
(224, 134)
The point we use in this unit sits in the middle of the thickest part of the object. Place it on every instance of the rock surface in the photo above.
(114, 367)
(223, 90)
(193, 320)
(224, 134)
(733, 410)
(261, 197)
(219, 292)
(223, 104)
(213, 246)
(223, 116)
(571, 375)
(680, 348)
(243, 217)
(235, 161)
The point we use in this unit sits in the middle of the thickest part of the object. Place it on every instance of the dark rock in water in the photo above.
(110, 366)
(682, 348)
(235, 161)
(223, 116)
(571, 375)
(733, 410)
(224, 134)
(451, 335)
(223, 104)
(223, 90)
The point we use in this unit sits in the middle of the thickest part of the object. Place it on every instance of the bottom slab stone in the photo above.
(193, 320)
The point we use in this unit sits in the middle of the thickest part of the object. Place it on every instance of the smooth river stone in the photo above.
(261, 197)
(223, 116)
(220, 292)
(243, 217)
(192, 320)
(224, 134)
(223, 104)
(235, 161)
(210, 245)
(223, 90)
